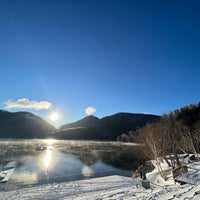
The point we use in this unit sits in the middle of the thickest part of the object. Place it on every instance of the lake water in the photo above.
(65, 160)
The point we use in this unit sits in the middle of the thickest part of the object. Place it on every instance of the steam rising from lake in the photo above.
(66, 160)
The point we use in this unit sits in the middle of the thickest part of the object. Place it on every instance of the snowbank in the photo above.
(114, 187)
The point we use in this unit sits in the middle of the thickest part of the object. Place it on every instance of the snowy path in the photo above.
(112, 187)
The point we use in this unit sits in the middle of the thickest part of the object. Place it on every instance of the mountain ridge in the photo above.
(108, 127)
(28, 125)
(90, 120)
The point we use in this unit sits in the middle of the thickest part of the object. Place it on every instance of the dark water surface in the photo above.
(65, 160)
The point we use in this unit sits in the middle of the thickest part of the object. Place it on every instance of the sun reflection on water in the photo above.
(48, 158)
(87, 171)
(47, 155)
(49, 141)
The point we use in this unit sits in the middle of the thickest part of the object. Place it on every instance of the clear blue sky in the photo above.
(112, 55)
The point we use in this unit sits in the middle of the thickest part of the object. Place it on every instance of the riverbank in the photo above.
(115, 187)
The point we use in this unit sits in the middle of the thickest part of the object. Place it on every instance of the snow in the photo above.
(115, 187)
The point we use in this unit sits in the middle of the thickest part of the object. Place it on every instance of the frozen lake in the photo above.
(65, 160)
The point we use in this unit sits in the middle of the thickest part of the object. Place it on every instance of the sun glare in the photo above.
(49, 141)
(54, 116)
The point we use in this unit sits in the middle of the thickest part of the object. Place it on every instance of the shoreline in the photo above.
(104, 188)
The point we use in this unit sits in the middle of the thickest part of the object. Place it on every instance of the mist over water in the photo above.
(66, 160)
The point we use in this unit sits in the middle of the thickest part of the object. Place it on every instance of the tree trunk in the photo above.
(177, 160)
(167, 161)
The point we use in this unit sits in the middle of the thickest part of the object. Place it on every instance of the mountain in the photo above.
(28, 125)
(119, 123)
(108, 128)
(23, 125)
(90, 121)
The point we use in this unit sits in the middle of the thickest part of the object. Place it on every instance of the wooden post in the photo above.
(146, 184)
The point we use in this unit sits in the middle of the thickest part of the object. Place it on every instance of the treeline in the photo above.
(174, 133)
(130, 136)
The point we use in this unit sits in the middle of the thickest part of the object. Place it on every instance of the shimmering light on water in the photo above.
(87, 171)
(47, 158)
(49, 141)
(65, 160)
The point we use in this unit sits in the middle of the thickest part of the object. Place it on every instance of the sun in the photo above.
(54, 116)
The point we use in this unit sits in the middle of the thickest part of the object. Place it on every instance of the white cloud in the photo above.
(26, 103)
(90, 110)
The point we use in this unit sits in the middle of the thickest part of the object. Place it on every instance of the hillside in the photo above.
(90, 121)
(108, 128)
(23, 125)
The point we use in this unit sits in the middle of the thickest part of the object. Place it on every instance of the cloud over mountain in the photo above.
(90, 110)
(26, 103)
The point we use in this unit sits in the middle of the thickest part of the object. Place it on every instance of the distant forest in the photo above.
(188, 116)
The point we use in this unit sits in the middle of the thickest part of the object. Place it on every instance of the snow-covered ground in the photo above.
(115, 187)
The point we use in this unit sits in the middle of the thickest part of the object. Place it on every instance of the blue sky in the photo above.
(110, 55)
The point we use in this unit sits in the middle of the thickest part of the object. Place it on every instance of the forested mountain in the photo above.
(23, 125)
(109, 127)
(189, 114)
(121, 125)
(90, 121)
(28, 125)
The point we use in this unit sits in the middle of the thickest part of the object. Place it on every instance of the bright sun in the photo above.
(54, 116)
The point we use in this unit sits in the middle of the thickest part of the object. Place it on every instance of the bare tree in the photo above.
(196, 138)
(172, 136)
(168, 136)
(152, 143)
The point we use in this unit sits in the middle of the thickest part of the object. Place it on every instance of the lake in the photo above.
(66, 160)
